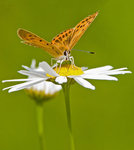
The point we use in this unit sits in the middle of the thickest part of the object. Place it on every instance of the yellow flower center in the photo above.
(68, 70)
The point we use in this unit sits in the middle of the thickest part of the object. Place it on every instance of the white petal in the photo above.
(120, 69)
(98, 77)
(84, 83)
(45, 66)
(39, 74)
(98, 70)
(17, 80)
(84, 68)
(23, 85)
(27, 68)
(54, 88)
(33, 64)
(48, 87)
(103, 73)
(117, 71)
(61, 79)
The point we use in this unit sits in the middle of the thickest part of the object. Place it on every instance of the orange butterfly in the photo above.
(61, 45)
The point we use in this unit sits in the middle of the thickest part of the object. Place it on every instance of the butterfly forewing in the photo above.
(34, 40)
(62, 40)
(80, 28)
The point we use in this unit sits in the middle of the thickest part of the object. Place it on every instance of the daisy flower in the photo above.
(44, 77)
(37, 78)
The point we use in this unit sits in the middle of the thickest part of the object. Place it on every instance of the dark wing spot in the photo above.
(40, 40)
(30, 35)
(60, 38)
(56, 40)
(83, 21)
(47, 44)
(87, 19)
(81, 26)
(69, 31)
(52, 47)
(66, 34)
(78, 26)
(63, 35)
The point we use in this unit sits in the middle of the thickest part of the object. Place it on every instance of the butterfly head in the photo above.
(66, 55)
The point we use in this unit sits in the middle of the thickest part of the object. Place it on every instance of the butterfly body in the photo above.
(61, 45)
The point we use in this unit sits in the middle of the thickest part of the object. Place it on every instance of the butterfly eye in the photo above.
(65, 53)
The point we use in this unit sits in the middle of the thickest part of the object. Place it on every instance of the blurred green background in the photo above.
(102, 119)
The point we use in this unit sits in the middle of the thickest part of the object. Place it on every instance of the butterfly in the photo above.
(61, 45)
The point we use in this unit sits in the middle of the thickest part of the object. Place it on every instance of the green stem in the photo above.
(39, 112)
(66, 90)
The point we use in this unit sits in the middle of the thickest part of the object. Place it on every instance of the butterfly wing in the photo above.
(67, 39)
(80, 28)
(63, 39)
(34, 40)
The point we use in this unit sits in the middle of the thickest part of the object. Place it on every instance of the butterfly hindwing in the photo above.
(34, 40)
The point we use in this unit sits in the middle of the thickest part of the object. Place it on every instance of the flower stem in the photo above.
(39, 112)
(66, 90)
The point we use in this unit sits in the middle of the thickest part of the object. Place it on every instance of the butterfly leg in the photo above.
(72, 61)
(57, 63)
(52, 59)
(71, 58)
(60, 63)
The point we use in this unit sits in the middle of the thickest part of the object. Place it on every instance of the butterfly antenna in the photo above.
(84, 51)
